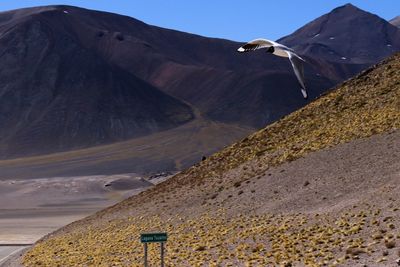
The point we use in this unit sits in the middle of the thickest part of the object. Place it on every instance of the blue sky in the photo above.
(230, 19)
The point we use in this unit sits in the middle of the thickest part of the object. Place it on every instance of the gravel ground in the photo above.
(355, 183)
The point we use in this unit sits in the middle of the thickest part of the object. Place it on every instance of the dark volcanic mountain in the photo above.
(73, 78)
(56, 94)
(395, 21)
(346, 34)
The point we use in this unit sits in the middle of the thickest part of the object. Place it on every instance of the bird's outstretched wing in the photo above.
(278, 49)
(281, 51)
(297, 64)
(256, 44)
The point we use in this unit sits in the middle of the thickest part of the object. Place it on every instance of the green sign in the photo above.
(153, 237)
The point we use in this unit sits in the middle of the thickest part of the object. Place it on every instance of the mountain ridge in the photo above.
(191, 71)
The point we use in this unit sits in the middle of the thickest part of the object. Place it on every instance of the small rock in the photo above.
(200, 248)
(385, 253)
(387, 218)
(237, 184)
(355, 251)
(214, 196)
(381, 260)
(377, 236)
(306, 183)
(390, 244)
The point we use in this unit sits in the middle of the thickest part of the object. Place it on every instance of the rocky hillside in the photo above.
(318, 187)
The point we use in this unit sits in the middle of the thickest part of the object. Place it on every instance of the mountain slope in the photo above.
(56, 95)
(97, 78)
(170, 150)
(240, 206)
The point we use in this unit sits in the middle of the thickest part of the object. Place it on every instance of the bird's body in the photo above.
(280, 51)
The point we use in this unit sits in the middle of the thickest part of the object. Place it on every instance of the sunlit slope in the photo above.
(238, 207)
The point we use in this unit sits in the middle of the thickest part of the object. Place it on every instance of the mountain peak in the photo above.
(348, 9)
(348, 6)
(395, 21)
(358, 29)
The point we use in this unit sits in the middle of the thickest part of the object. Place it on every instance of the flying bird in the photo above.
(281, 51)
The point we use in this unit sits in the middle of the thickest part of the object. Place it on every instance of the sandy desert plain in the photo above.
(32, 208)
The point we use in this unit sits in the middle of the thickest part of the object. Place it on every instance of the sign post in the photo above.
(145, 255)
(162, 254)
(153, 238)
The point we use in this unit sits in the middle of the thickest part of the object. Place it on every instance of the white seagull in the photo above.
(281, 51)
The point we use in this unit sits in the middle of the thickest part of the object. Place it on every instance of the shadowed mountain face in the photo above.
(395, 21)
(56, 94)
(73, 78)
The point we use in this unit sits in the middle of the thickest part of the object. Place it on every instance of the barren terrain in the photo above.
(171, 150)
(319, 187)
(30, 209)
